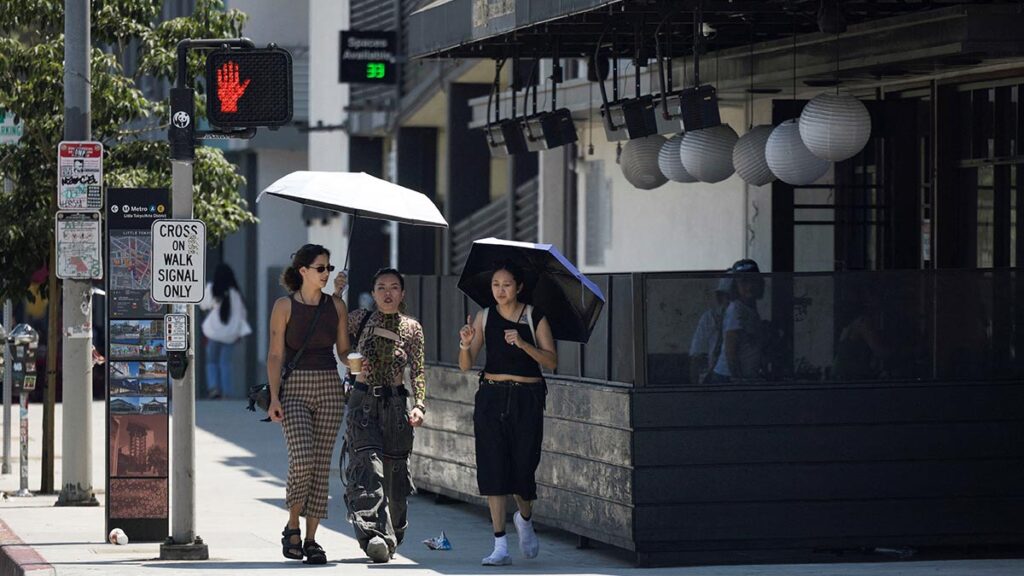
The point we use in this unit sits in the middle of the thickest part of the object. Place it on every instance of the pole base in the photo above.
(75, 495)
(193, 551)
(23, 493)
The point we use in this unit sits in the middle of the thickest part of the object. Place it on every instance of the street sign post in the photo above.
(179, 261)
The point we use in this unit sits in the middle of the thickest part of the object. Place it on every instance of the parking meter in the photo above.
(24, 341)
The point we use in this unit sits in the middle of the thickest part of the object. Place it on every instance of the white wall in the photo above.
(674, 227)
(284, 23)
(280, 232)
(328, 150)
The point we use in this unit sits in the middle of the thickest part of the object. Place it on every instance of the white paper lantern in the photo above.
(789, 159)
(639, 162)
(835, 126)
(748, 156)
(707, 153)
(670, 163)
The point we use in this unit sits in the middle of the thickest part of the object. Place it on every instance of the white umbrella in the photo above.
(359, 194)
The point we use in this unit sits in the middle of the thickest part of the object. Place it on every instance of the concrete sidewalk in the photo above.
(241, 467)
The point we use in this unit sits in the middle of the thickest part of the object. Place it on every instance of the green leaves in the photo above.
(132, 128)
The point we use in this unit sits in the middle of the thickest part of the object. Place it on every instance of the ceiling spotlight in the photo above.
(547, 130)
(699, 107)
(505, 138)
(629, 119)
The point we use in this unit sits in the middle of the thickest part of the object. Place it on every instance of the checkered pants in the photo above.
(313, 408)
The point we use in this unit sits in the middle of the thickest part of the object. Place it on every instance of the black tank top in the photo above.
(319, 354)
(504, 358)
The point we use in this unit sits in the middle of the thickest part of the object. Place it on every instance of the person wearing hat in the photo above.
(706, 344)
(742, 332)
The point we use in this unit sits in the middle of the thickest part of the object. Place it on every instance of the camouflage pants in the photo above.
(378, 439)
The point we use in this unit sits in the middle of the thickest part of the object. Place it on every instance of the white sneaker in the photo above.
(529, 545)
(497, 558)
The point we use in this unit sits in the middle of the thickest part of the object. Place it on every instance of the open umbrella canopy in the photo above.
(359, 194)
(570, 301)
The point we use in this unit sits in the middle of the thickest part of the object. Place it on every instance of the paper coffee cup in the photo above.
(355, 362)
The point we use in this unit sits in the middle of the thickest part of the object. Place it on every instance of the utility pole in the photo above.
(76, 367)
(183, 544)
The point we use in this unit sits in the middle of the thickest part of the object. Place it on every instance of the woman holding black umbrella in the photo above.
(508, 418)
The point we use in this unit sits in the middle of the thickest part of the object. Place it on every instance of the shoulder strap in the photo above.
(362, 324)
(483, 326)
(529, 320)
(309, 334)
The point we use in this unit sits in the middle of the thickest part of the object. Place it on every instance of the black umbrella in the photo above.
(570, 301)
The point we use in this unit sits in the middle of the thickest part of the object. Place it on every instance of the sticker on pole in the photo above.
(80, 176)
(179, 261)
(79, 242)
(176, 332)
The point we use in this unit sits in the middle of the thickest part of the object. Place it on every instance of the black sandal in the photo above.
(314, 553)
(291, 550)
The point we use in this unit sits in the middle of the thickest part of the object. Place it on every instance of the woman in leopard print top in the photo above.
(379, 433)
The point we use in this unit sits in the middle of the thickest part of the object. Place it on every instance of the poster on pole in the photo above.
(80, 176)
(79, 253)
(138, 391)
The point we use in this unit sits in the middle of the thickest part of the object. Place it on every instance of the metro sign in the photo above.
(249, 88)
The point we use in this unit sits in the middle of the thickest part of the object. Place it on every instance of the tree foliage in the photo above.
(130, 46)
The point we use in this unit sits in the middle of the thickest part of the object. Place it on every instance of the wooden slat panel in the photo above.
(795, 406)
(837, 519)
(578, 438)
(601, 520)
(828, 443)
(591, 403)
(829, 481)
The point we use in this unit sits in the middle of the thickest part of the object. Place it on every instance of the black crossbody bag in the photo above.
(259, 394)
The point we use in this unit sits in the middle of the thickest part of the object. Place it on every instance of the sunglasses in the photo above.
(321, 268)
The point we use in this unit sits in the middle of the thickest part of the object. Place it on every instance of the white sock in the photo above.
(501, 544)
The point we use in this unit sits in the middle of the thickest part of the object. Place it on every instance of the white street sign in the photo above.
(179, 261)
(80, 176)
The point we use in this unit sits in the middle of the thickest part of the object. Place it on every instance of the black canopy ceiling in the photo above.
(533, 28)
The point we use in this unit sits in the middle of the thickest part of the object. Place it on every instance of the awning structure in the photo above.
(442, 28)
(532, 28)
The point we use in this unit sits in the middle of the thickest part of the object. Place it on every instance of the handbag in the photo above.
(259, 394)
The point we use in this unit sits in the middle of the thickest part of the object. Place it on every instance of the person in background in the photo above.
(225, 324)
(742, 330)
(307, 327)
(508, 412)
(706, 344)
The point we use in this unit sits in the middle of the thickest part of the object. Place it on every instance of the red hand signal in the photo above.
(228, 88)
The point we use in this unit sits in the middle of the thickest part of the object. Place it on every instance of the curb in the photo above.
(18, 558)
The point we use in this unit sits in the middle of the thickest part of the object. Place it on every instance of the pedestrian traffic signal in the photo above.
(249, 88)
